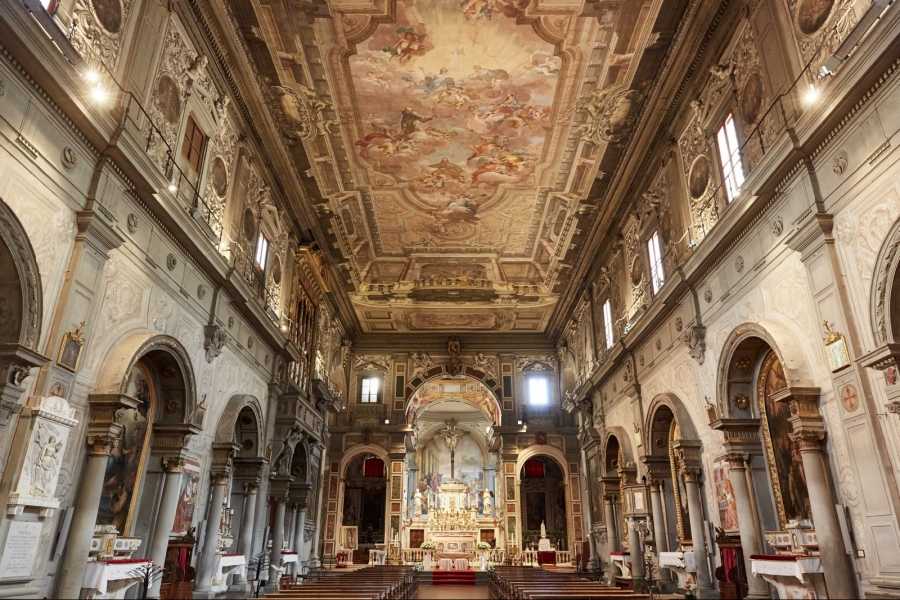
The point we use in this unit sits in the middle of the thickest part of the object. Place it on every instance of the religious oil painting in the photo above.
(725, 497)
(125, 462)
(187, 499)
(785, 465)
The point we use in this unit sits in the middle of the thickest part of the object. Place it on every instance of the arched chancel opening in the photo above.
(543, 502)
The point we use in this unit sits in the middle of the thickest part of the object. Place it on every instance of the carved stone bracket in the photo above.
(741, 435)
(249, 469)
(214, 338)
(16, 363)
(807, 423)
(280, 487)
(883, 357)
(695, 338)
(222, 458)
(688, 455)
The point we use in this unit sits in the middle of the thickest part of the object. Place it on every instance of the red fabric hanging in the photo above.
(373, 467)
(534, 468)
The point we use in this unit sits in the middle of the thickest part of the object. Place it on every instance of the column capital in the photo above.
(883, 357)
(103, 407)
(222, 457)
(170, 439)
(809, 439)
(738, 431)
(687, 454)
(299, 495)
(657, 467)
(736, 460)
(802, 401)
(251, 486)
(248, 468)
(173, 463)
(102, 439)
(280, 487)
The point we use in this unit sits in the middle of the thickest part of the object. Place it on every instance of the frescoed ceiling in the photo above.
(454, 146)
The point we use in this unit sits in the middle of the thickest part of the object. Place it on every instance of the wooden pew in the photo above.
(525, 583)
(373, 583)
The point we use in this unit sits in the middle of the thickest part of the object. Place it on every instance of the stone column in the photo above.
(688, 454)
(612, 536)
(636, 549)
(279, 486)
(220, 473)
(809, 434)
(412, 482)
(300, 495)
(320, 503)
(206, 564)
(173, 467)
(245, 544)
(751, 538)
(660, 535)
(100, 442)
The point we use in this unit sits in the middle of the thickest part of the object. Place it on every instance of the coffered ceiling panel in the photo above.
(454, 143)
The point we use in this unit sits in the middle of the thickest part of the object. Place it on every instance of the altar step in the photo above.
(457, 577)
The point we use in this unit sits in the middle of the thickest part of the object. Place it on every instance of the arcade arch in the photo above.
(352, 484)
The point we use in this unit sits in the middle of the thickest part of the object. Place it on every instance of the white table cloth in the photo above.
(453, 564)
(103, 576)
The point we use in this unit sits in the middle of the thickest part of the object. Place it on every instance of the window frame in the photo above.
(730, 160)
(192, 133)
(262, 244)
(655, 261)
(608, 333)
(531, 379)
(364, 394)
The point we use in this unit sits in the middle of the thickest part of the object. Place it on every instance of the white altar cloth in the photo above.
(453, 564)
(110, 579)
(288, 557)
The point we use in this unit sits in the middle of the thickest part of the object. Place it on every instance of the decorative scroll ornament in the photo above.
(612, 113)
(302, 112)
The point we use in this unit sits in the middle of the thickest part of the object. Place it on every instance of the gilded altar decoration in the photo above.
(835, 348)
(70, 348)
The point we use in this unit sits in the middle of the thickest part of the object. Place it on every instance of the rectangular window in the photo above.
(370, 387)
(657, 276)
(194, 145)
(538, 391)
(730, 154)
(607, 324)
(262, 251)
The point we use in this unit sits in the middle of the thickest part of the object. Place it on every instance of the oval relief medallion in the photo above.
(752, 98)
(219, 175)
(109, 14)
(698, 178)
(812, 14)
(168, 99)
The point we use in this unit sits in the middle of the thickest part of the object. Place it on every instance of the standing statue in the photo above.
(417, 503)
(488, 502)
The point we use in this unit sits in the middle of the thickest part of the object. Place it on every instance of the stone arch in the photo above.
(785, 347)
(21, 295)
(348, 457)
(300, 467)
(620, 436)
(165, 352)
(884, 304)
(493, 392)
(232, 428)
(559, 458)
(673, 404)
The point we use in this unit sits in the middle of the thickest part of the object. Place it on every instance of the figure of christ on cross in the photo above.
(451, 434)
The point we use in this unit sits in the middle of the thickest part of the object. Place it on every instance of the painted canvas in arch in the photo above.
(125, 464)
(783, 455)
(455, 102)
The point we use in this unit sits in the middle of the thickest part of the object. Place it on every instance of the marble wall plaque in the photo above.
(20, 549)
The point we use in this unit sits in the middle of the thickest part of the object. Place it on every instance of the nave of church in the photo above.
(386, 299)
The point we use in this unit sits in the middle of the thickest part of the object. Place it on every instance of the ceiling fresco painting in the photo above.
(455, 144)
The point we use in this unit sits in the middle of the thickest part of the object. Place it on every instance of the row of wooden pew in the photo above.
(372, 583)
(529, 583)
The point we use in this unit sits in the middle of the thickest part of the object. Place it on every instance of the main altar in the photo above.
(451, 518)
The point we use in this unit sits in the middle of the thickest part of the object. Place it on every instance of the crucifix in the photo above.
(451, 434)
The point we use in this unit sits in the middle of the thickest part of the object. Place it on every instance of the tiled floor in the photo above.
(453, 592)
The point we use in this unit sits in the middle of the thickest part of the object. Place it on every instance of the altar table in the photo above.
(546, 557)
(111, 578)
(453, 564)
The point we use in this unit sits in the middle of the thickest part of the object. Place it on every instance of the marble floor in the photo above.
(453, 592)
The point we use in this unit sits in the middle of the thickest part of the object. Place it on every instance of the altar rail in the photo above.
(530, 557)
(415, 556)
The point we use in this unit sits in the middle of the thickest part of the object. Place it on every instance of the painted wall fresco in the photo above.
(727, 505)
(434, 469)
(187, 499)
